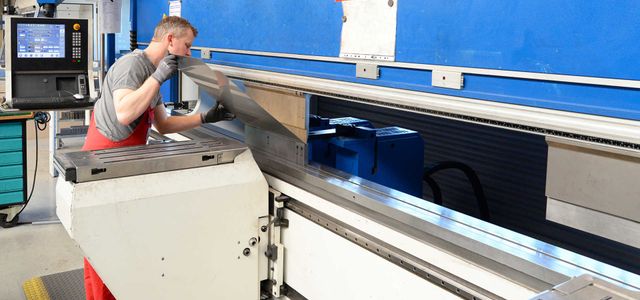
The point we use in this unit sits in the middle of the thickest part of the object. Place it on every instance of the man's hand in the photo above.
(167, 66)
(218, 113)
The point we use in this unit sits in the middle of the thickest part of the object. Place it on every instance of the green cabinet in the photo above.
(13, 161)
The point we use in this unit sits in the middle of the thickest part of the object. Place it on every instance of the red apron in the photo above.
(94, 287)
(96, 141)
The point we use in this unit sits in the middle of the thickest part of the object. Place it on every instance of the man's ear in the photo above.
(170, 38)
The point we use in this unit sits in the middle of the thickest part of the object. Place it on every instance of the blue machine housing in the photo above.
(321, 130)
(573, 38)
(391, 156)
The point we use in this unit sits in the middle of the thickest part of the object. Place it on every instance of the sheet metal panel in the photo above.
(231, 95)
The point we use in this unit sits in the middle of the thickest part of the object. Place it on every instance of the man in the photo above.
(130, 103)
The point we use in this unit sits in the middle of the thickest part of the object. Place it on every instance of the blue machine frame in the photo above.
(540, 37)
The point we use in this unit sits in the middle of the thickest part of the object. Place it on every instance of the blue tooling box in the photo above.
(391, 156)
(13, 185)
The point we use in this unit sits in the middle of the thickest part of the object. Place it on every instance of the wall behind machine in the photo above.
(511, 166)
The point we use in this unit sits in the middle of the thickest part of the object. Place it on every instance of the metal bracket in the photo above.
(272, 252)
(275, 249)
(280, 220)
(447, 79)
(282, 198)
(263, 243)
(370, 71)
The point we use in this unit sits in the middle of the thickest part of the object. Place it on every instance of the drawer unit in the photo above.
(11, 158)
(10, 145)
(8, 172)
(11, 130)
(13, 185)
(11, 198)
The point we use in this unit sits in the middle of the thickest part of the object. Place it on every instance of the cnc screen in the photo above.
(40, 40)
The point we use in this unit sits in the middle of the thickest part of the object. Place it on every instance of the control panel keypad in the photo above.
(76, 39)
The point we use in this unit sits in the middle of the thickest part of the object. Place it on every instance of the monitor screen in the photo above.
(40, 40)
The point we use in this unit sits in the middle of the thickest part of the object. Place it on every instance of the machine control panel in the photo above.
(48, 63)
(49, 44)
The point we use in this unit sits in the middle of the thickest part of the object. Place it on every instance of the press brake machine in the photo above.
(199, 218)
(237, 209)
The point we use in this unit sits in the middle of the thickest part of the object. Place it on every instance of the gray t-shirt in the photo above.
(128, 72)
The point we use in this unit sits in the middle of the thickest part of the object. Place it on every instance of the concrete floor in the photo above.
(31, 250)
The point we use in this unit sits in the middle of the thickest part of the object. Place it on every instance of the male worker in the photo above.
(130, 103)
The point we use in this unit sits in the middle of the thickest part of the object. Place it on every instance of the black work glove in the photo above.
(217, 113)
(166, 68)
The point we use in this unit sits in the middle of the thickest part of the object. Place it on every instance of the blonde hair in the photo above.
(172, 24)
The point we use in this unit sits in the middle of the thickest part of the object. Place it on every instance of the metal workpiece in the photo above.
(232, 96)
(529, 262)
(84, 166)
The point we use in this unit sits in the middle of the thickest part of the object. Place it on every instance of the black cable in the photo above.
(483, 206)
(435, 188)
(40, 118)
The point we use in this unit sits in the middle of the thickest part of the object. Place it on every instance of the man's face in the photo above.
(181, 45)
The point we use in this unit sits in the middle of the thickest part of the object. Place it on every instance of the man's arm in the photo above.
(131, 104)
(171, 124)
